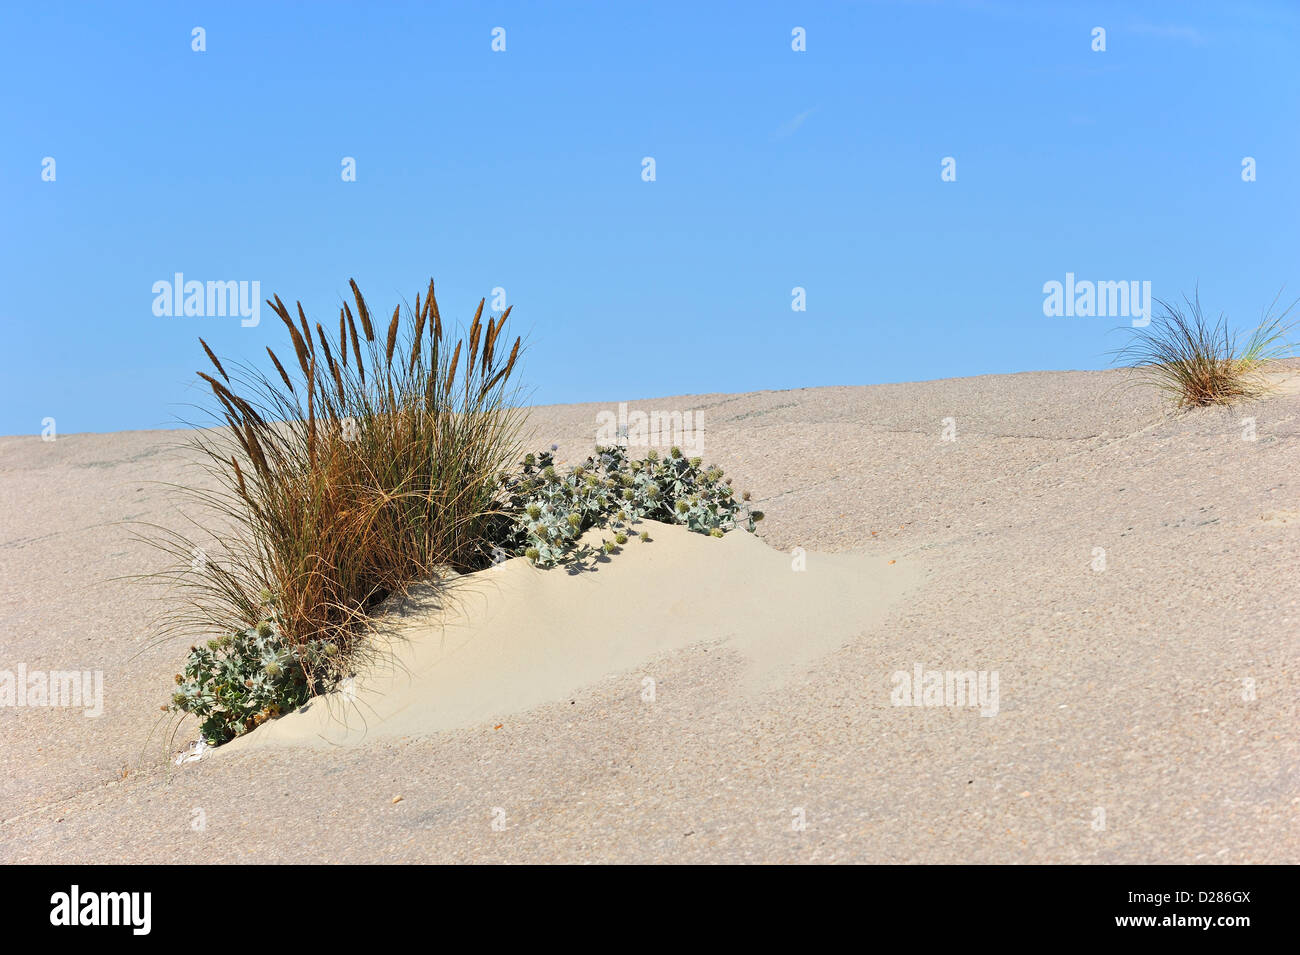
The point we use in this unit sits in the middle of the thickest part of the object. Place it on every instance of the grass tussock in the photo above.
(369, 457)
(1201, 362)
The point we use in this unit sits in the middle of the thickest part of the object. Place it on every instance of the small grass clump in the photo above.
(361, 464)
(547, 510)
(1199, 362)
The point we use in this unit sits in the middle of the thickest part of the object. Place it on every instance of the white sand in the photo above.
(513, 637)
(1163, 690)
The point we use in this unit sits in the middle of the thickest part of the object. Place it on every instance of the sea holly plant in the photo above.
(236, 682)
(549, 509)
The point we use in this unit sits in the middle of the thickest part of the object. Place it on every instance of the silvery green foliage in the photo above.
(240, 680)
(552, 508)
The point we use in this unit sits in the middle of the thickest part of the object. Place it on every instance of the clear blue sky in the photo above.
(522, 169)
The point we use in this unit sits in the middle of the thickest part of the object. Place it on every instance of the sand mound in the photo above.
(504, 640)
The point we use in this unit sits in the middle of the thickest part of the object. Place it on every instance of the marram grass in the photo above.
(1199, 362)
(357, 466)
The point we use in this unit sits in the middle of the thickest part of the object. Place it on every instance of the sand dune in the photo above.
(1130, 575)
(483, 647)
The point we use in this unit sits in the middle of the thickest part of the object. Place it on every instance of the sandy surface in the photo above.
(1147, 705)
(487, 646)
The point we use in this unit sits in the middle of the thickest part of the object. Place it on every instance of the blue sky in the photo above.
(523, 170)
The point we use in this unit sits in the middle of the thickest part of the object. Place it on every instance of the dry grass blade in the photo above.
(343, 339)
(392, 335)
(437, 316)
(284, 376)
(504, 373)
(329, 361)
(299, 348)
(475, 330)
(451, 374)
(306, 331)
(356, 346)
(495, 333)
(362, 311)
(255, 450)
(421, 316)
(213, 359)
(239, 476)
(220, 390)
(415, 351)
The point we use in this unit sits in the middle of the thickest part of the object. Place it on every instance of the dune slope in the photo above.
(1132, 576)
(483, 647)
